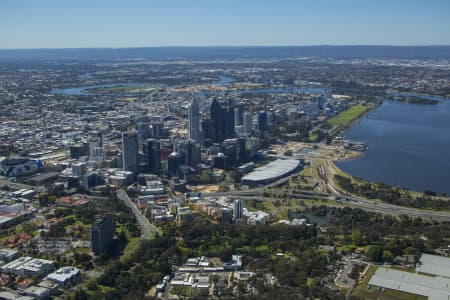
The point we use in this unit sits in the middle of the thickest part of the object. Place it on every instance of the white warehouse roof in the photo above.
(434, 265)
(435, 288)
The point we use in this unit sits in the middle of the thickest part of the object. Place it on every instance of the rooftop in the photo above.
(273, 170)
(435, 288)
(434, 265)
(63, 274)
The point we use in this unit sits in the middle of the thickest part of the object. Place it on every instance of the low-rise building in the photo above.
(28, 266)
(64, 275)
(7, 255)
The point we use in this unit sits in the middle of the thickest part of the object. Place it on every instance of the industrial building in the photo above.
(434, 265)
(272, 172)
(435, 288)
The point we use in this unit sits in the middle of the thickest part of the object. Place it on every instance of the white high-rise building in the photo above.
(79, 169)
(248, 122)
(194, 121)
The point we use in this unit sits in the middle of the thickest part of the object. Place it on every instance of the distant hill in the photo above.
(163, 53)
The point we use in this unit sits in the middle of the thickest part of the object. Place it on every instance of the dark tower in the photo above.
(152, 155)
(217, 121)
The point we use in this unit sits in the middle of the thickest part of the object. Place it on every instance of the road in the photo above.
(368, 205)
(148, 230)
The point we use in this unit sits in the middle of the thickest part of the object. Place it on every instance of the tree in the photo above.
(205, 177)
(223, 187)
(388, 256)
(356, 237)
(375, 253)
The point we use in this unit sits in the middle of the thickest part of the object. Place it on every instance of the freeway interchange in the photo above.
(264, 194)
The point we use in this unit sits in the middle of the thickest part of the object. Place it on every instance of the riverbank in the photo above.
(353, 186)
(350, 117)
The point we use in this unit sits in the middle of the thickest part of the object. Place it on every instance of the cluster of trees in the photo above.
(258, 244)
(390, 194)
(388, 236)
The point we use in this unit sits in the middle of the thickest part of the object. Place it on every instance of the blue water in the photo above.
(409, 146)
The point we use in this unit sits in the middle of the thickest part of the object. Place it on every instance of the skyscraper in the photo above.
(207, 129)
(102, 234)
(79, 169)
(247, 122)
(229, 123)
(194, 120)
(190, 152)
(217, 120)
(143, 131)
(130, 151)
(238, 112)
(238, 209)
(152, 155)
(262, 121)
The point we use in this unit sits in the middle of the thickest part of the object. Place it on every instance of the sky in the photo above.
(146, 23)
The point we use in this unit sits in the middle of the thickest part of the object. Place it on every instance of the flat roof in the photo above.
(434, 265)
(436, 288)
(63, 274)
(272, 170)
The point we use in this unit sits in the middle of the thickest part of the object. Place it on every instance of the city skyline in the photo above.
(54, 24)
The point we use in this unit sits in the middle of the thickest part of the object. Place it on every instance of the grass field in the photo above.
(362, 292)
(350, 115)
(123, 89)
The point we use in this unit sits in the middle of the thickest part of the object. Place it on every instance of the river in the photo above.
(409, 146)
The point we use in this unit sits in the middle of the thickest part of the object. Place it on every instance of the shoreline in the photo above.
(348, 126)
(362, 180)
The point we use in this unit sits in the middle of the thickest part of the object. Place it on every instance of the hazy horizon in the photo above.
(51, 24)
(230, 46)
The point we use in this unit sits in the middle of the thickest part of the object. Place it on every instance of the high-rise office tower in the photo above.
(229, 123)
(79, 169)
(76, 151)
(190, 151)
(217, 121)
(238, 112)
(174, 161)
(238, 209)
(207, 129)
(152, 155)
(102, 234)
(262, 121)
(271, 120)
(156, 130)
(130, 151)
(194, 121)
(247, 122)
(143, 131)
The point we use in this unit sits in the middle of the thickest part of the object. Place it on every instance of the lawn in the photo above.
(362, 292)
(131, 246)
(313, 137)
(350, 115)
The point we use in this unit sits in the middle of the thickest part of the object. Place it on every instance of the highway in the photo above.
(148, 230)
(384, 208)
